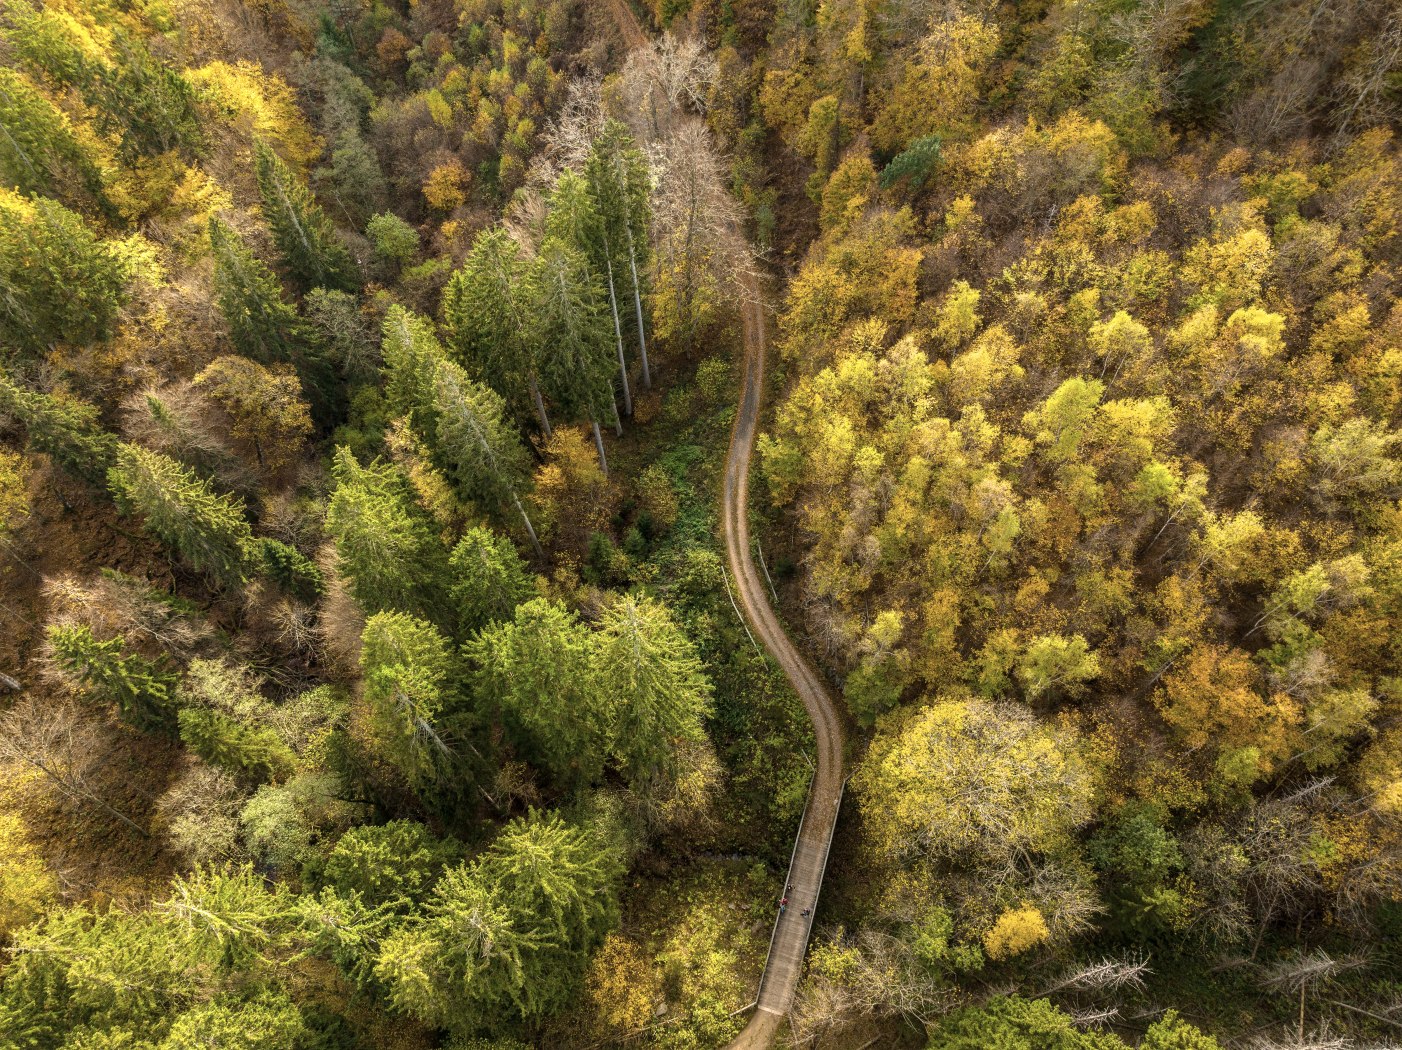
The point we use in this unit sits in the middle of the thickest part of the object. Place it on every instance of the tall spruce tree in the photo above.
(463, 423)
(262, 325)
(311, 249)
(489, 579)
(574, 218)
(536, 672)
(492, 321)
(621, 185)
(66, 429)
(415, 711)
(507, 936)
(38, 151)
(388, 547)
(576, 332)
(142, 692)
(59, 282)
(650, 672)
(206, 529)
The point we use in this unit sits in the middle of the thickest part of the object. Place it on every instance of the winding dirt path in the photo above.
(790, 942)
(791, 931)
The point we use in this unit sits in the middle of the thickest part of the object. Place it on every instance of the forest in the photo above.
(374, 668)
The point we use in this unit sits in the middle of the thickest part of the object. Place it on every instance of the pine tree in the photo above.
(492, 322)
(575, 220)
(463, 423)
(489, 579)
(142, 692)
(262, 326)
(387, 545)
(59, 283)
(415, 714)
(579, 362)
(536, 671)
(621, 186)
(65, 429)
(311, 250)
(38, 150)
(182, 510)
(648, 669)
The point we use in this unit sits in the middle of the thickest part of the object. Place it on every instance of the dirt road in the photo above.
(790, 938)
(810, 852)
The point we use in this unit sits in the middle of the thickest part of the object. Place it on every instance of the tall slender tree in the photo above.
(409, 684)
(65, 429)
(205, 528)
(388, 546)
(463, 423)
(59, 282)
(311, 249)
(262, 325)
(492, 323)
(142, 691)
(38, 151)
(650, 672)
(575, 328)
(621, 185)
(535, 673)
(574, 219)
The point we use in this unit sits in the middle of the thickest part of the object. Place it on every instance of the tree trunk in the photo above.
(599, 444)
(530, 529)
(638, 304)
(540, 407)
(617, 419)
(618, 334)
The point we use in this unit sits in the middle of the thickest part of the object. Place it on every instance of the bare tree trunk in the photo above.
(638, 304)
(540, 407)
(599, 444)
(618, 334)
(530, 529)
(617, 419)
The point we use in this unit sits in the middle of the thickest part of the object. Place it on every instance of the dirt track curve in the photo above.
(790, 939)
(781, 973)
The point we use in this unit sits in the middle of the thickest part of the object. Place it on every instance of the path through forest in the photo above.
(781, 972)
(790, 939)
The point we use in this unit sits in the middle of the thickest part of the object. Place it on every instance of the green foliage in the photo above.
(311, 250)
(536, 672)
(395, 863)
(410, 684)
(387, 545)
(509, 934)
(66, 429)
(289, 568)
(140, 689)
(261, 324)
(39, 152)
(648, 670)
(394, 239)
(203, 527)
(489, 579)
(226, 721)
(62, 283)
(916, 163)
(1012, 1023)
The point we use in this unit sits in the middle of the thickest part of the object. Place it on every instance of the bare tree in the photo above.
(661, 84)
(1106, 975)
(199, 814)
(66, 744)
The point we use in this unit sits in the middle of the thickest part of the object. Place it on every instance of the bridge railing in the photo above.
(778, 918)
(788, 877)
